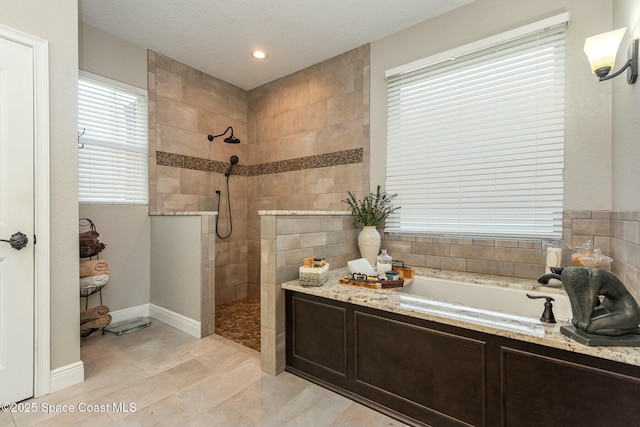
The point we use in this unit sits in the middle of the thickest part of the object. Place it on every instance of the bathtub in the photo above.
(479, 301)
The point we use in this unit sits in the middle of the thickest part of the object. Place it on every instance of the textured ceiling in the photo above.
(216, 36)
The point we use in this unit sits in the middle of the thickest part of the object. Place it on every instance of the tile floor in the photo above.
(240, 321)
(173, 379)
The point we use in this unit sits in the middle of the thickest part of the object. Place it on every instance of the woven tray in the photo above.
(371, 284)
(314, 276)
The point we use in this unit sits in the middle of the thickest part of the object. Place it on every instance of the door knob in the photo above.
(17, 241)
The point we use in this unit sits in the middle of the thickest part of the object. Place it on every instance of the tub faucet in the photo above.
(547, 315)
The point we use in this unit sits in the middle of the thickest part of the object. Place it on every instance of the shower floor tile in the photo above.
(239, 321)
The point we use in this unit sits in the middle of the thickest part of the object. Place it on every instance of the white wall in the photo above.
(56, 21)
(176, 264)
(626, 115)
(112, 57)
(124, 228)
(588, 174)
(126, 232)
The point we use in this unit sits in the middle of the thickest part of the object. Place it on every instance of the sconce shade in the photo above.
(601, 51)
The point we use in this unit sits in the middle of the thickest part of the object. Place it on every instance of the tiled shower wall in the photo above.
(185, 169)
(308, 142)
(305, 143)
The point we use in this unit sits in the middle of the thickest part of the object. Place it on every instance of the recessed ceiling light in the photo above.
(259, 54)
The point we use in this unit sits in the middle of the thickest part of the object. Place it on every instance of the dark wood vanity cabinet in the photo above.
(427, 373)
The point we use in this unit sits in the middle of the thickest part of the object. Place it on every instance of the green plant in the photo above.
(373, 209)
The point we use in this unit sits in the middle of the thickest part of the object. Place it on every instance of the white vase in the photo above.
(369, 243)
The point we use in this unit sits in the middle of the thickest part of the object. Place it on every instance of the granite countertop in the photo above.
(518, 328)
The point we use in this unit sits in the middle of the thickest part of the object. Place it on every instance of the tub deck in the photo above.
(528, 329)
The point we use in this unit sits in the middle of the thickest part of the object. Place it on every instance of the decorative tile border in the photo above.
(196, 163)
(345, 157)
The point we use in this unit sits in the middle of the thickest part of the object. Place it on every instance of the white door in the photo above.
(16, 215)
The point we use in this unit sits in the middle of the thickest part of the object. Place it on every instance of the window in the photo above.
(113, 160)
(475, 138)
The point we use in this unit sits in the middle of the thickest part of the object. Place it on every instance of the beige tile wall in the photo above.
(185, 106)
(317, 117)
(317, 111)
(285, 241)
(502, 257)
(625, 249)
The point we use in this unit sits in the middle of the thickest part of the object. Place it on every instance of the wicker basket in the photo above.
(314, 276)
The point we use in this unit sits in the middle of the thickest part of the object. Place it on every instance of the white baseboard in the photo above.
(178, 321)
(129, 313)
(66, 376)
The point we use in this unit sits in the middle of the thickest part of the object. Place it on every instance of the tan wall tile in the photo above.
(295, 257)
(630, 232)
(591, 227)
(308, 240)
(578, 214)
(176, 114)
(168, 179)
(307, 225)
(411, 260)
(186, 203)
(348, 178)
(341, 136)
(500, 268)
(472, 252)
(292, 97)
(200, 96)
(344, 108)
(296, 145)
(483, 242)
(288, 241)
(266, 151)
(332, 84)
(531, 256)
(303, 119)
(168, 85)
(395, 247)
(319, 181)
(195, 182)
(182, 141)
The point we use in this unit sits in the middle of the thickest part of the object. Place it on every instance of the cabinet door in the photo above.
(441, 374)
(541, 390)
(317, 338)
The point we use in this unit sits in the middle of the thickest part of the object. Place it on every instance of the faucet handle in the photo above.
(547, 315)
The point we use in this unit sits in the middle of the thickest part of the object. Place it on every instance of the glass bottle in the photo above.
(384, 262)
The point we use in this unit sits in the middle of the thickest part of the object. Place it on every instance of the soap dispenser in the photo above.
(384, 263)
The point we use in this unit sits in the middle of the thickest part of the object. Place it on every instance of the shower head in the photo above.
(229, 140)
(232, 161)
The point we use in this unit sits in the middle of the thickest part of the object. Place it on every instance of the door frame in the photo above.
(42, 251)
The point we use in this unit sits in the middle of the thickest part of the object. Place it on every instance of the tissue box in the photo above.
(314, 276)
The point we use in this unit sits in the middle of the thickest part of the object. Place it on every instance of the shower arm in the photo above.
(230, 140)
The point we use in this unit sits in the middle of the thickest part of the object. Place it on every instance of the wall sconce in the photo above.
(601, 51)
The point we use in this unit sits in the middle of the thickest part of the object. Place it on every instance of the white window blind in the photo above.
(475, 144)
(113, 164)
